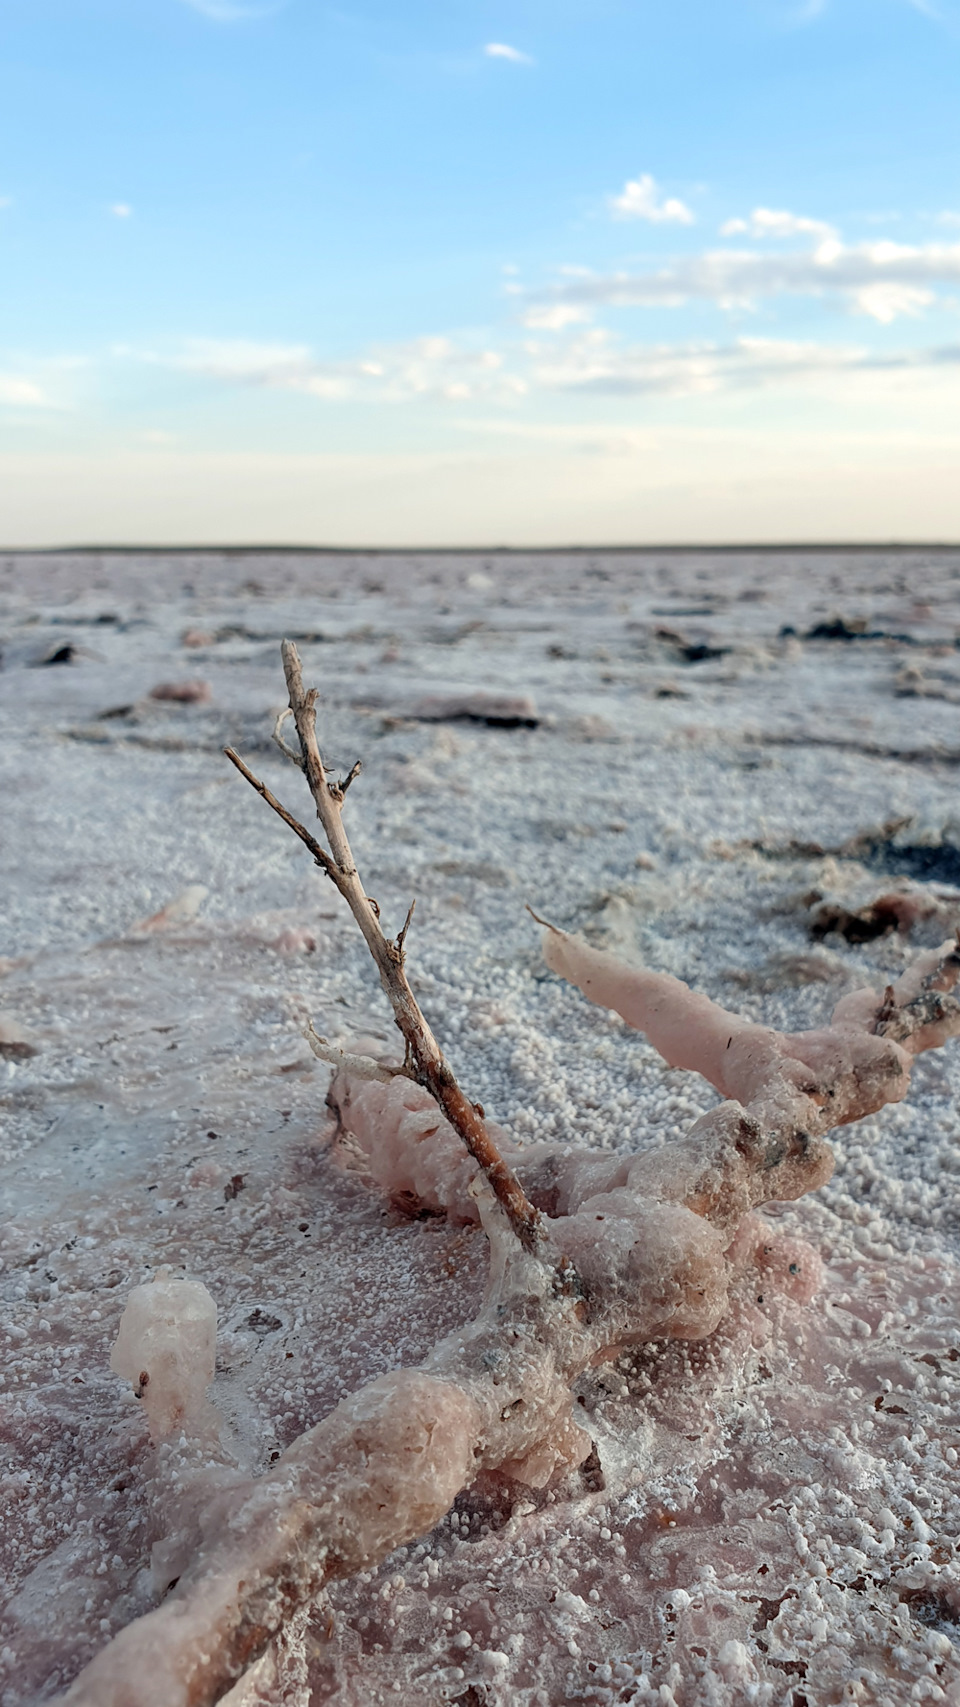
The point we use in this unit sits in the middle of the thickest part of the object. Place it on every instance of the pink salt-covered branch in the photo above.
(653, 1240)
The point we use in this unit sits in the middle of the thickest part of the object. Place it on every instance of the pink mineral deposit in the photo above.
(183, 693)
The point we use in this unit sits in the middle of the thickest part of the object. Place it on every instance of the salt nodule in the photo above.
(167, 1348)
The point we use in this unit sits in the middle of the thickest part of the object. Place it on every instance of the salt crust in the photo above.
(883, 1199)
(654, 1245)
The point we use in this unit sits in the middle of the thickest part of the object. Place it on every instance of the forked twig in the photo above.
(427, 1063)
(320, 854)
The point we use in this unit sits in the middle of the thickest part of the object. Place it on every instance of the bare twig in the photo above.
(320, 854)
(361, 1066)
(406, 926)
(427, 1063)
(353, 772)
(544, 922)
(287, 752)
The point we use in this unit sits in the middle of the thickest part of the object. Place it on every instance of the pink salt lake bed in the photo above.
(687, 757)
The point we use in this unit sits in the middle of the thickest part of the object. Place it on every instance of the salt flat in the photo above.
(778, 1518)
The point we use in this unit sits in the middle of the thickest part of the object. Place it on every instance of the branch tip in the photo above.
(288, 752)
(320, 854)
(362, 1066)
(544, 922)
(406, 927)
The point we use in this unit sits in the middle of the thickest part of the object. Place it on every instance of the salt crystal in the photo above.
(167, 1347)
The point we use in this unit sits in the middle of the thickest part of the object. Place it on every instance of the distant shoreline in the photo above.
(268, 549)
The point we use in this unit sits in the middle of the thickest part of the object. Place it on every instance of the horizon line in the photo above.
(267, 548)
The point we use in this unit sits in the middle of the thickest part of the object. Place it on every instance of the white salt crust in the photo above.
(780, 1509)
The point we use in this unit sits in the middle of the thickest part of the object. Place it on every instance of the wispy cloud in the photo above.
(883, 280)
(640, 199)
(431, 368)
(776, 222)
(241, 361)
(887, 302)
(230, 12)
(576, 362)
(501, 50)
(554, 316)
(121, 210)
(19, 393)
(597, 362)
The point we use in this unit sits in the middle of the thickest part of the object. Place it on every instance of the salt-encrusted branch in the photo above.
(794, 1083)
(359, 1066)
(785, 1091)
(649, 1243)
(653, 1238)
(424, 1055)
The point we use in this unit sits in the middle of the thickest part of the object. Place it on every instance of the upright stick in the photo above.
(424, 1057)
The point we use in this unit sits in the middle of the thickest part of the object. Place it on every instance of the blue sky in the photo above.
(571, 269)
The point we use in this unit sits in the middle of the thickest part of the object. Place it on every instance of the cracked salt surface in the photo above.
(778, 1518)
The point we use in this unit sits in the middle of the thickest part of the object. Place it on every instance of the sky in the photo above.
(471, 273)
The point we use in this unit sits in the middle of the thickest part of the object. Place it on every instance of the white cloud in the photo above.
(500, 50)
(640, 199)
(583, 361)
(6, 201)
(243, 361)
(19, 393)
(852, 272)
(121, 210)
(776, 222)
(597, 363)
(430, 368)
(948, 217)
(552, 317)
(886, 302)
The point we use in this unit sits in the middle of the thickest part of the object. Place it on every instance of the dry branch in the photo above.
(427, 1062)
